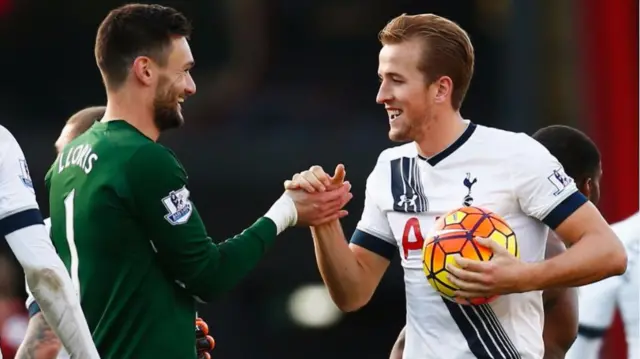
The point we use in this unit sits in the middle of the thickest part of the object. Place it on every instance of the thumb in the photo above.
(491, 244)
(290, 185)
(339, 175)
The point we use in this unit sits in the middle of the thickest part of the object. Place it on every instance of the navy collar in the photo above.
(453, 147)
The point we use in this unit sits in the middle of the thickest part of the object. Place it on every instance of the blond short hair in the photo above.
(447, 49)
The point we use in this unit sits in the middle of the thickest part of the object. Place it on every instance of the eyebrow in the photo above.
(391, 74)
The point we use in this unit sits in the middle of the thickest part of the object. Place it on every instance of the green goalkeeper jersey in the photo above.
(134, 244)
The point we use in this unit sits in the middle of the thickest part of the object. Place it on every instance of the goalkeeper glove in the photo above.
(204, 342)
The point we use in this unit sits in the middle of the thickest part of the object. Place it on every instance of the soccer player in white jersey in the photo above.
(598, 301)
(580, 158)
(21, 224)
(425, 66)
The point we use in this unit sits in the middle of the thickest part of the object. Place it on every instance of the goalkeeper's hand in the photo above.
(204, 342)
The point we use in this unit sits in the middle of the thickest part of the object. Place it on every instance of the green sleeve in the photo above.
(47, 177)
(158, 187)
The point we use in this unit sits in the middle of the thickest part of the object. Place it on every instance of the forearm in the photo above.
(40, 342)
(206, 269)
(585, 262)
(339, 267)
(227, 263)
(52, 288)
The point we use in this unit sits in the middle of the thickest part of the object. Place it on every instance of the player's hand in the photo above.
(318, 208)
(315, 179)
(204, 342)
(319, 198)
(503, 274)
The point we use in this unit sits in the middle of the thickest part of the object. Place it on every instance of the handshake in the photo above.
(318, 197)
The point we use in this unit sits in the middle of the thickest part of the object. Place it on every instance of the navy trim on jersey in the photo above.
(564, 209)
(34, 309)
(591, 332)
(482, 330)
(453, 147)
(20, 220)
(374, 244)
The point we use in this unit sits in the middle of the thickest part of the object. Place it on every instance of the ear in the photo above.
(585, 187)
(143, 70)
(444, 87)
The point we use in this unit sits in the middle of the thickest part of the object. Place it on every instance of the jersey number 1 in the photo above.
(69, 232)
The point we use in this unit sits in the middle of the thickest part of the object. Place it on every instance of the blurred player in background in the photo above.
(22, 226)
(425, 67)
(598, 301)
(121, 214)
(580, 158)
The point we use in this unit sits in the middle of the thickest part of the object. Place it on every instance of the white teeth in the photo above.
(395, 113)
(180, 99)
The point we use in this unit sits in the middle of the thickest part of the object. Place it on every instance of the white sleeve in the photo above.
(22, 226)
(373, 231)
(598, 301)
(18, 206)
(543, 189)
(628, 231)
(596, 305)
(52, 288)
(30, 300)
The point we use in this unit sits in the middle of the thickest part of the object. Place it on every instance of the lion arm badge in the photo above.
(179, 208)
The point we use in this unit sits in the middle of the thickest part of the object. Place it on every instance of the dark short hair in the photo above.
(136, 30)
(577, 153)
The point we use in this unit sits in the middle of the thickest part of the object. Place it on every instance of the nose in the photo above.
(384, 95)
(191, 86)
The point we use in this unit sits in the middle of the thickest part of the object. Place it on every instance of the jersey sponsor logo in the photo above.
(406, 186)
(24, 175)
(559, 180)
(178, 206)
(468, 182)
(412, 239)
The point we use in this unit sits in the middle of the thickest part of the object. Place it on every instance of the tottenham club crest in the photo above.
(468, 182)
(178, 206)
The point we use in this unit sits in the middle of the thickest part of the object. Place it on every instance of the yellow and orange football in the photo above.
(453, 234)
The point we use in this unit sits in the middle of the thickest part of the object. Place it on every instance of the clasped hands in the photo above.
(319, 198)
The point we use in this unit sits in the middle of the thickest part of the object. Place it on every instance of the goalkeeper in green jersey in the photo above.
(122, 218)
(40, 341)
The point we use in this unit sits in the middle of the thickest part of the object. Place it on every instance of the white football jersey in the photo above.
(598, 301)
(508, 173)
(18, 206)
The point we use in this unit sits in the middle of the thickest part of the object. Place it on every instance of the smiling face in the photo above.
(425, 67)
(174, 85)
(404, 92)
